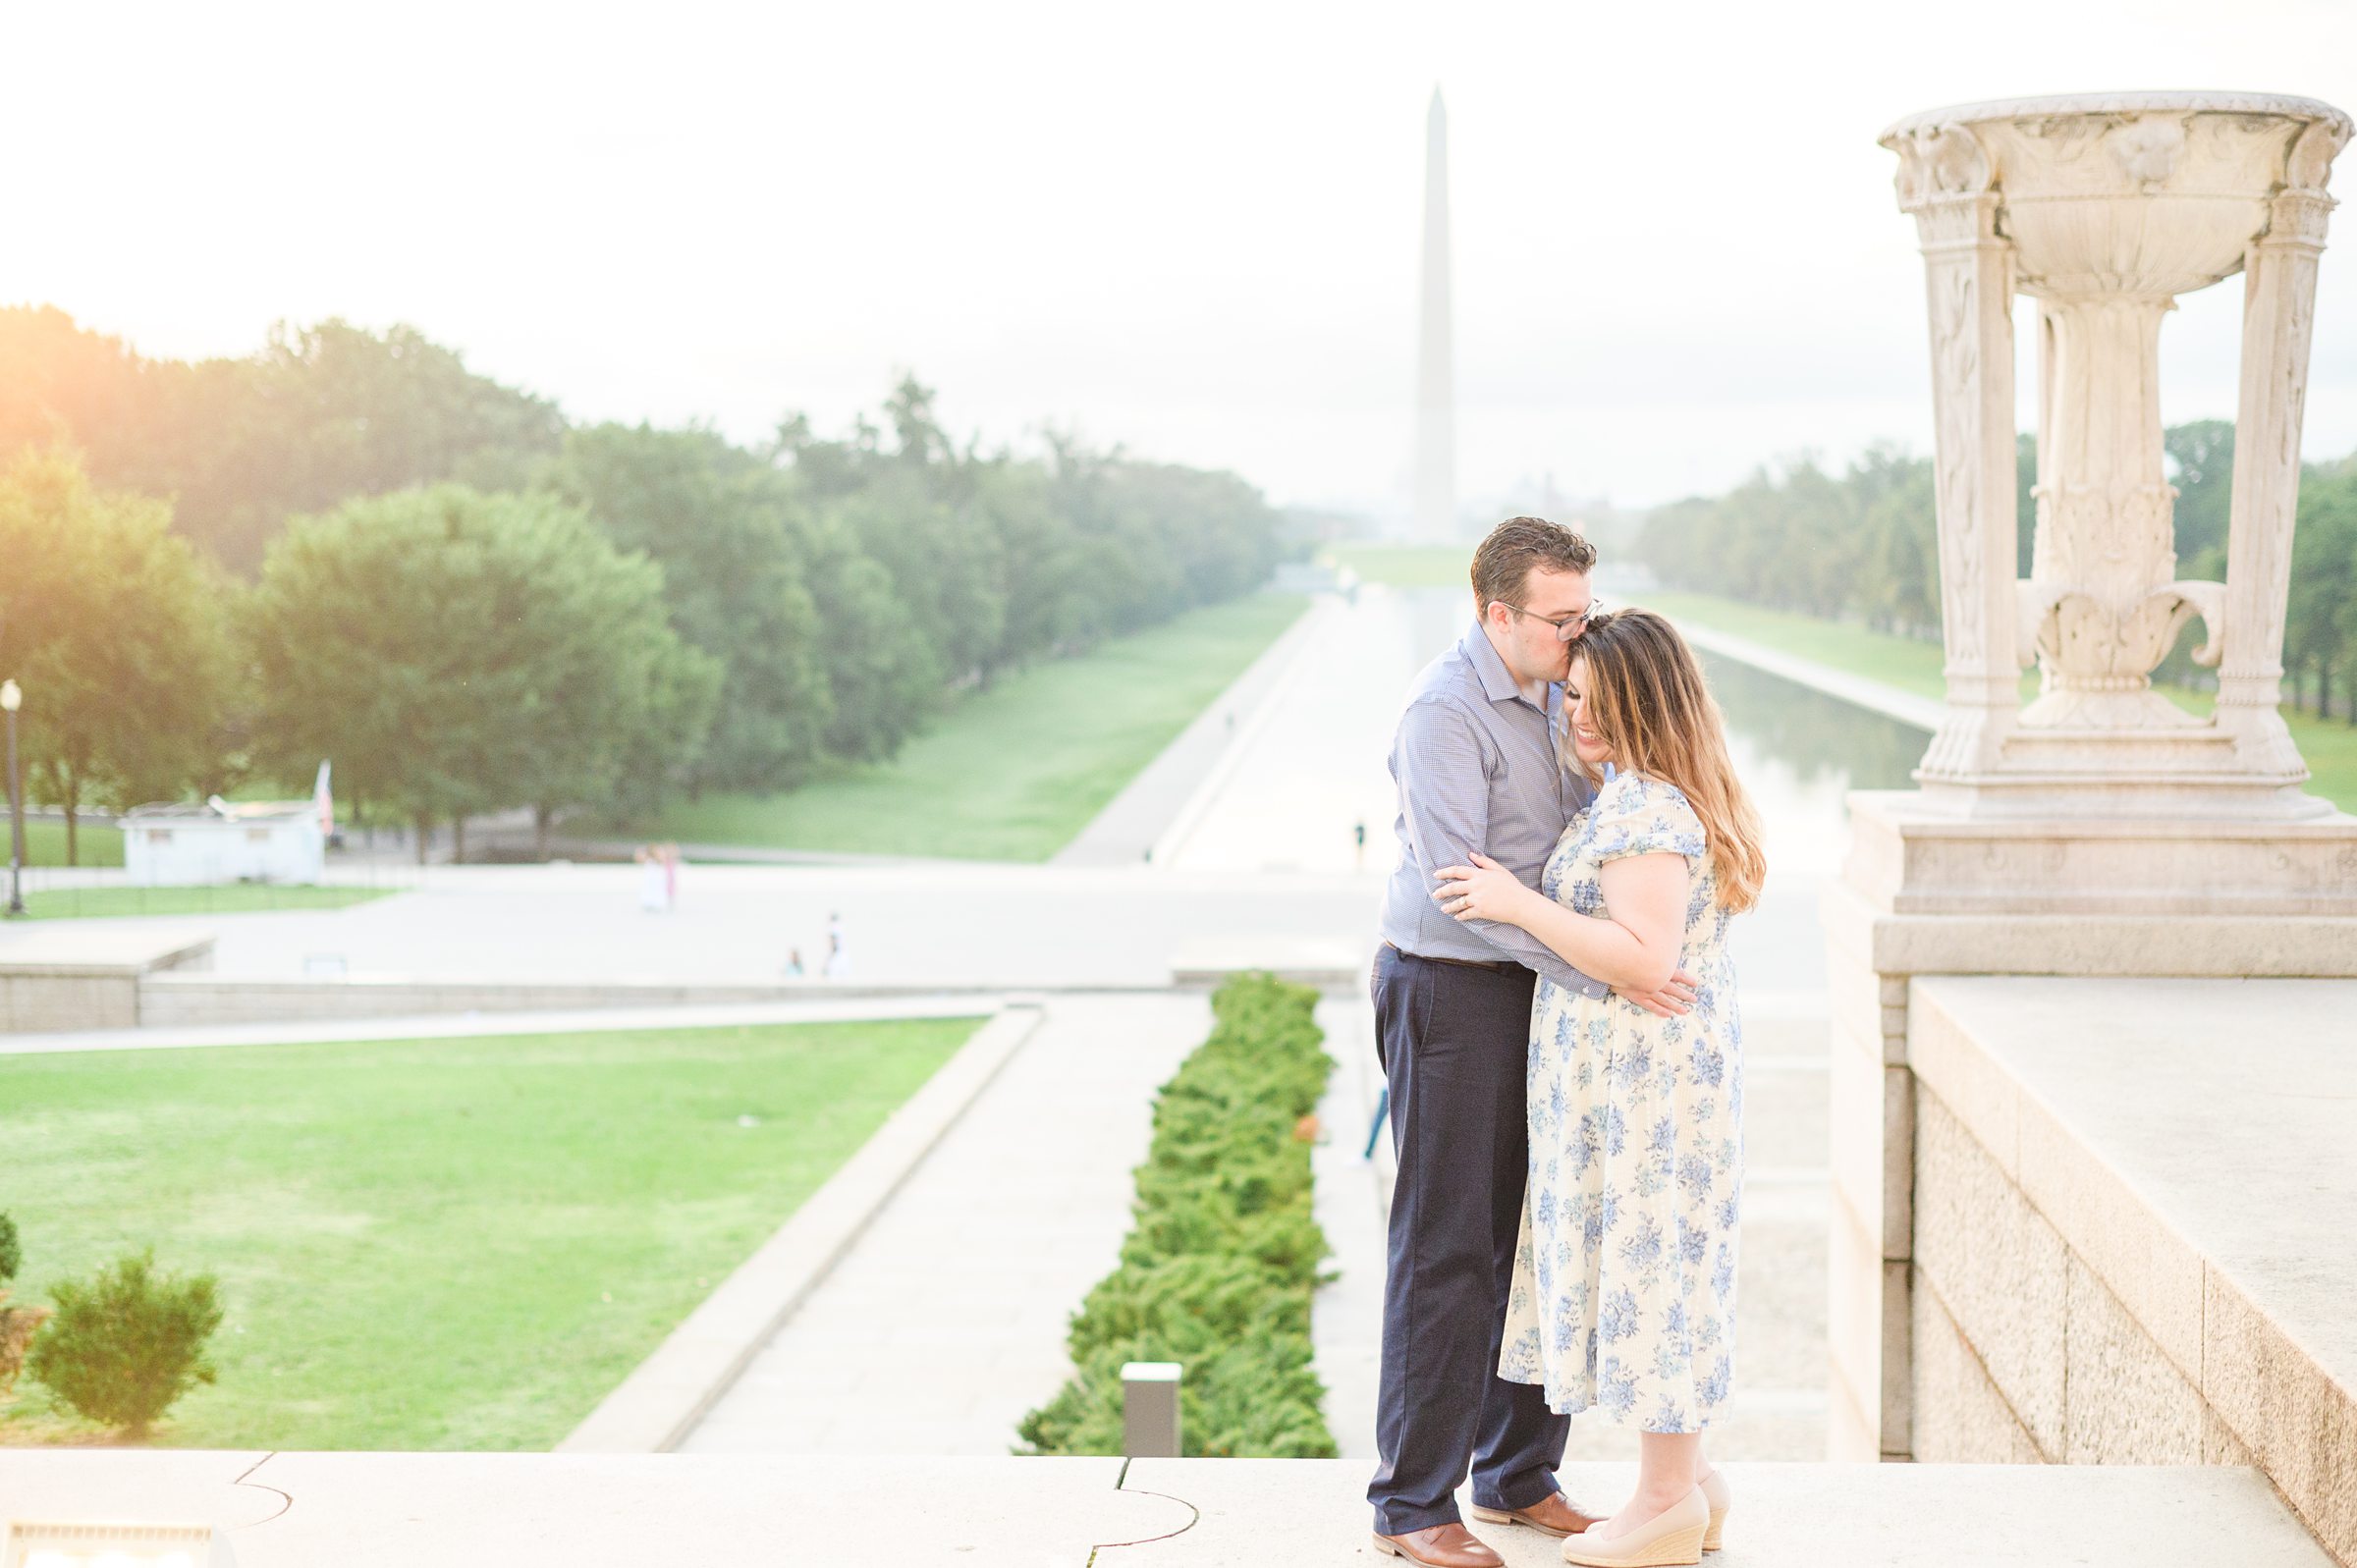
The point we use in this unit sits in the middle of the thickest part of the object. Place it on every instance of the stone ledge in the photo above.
(2225, 946)
(2220, 1239)
(62, 975)
(455, 1510)
(67, 947)
(660, 1402)
(179, 1000)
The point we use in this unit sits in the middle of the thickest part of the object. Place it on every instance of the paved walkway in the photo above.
(946, 1322)
(467, 1025)
(970, 925)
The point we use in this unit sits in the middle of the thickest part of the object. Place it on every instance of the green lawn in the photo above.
(434, 1244)
(229, 899)
(1407, 566)
(1016, 772)
(45, 844)
(1901, 661)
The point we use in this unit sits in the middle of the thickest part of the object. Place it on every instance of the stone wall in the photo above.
(2021, 1352)
(38, 1004)
(61, 975)
(2102, 1270)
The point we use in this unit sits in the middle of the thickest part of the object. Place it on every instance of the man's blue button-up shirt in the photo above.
(1477, 767)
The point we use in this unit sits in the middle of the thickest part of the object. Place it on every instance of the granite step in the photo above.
(462, 1510)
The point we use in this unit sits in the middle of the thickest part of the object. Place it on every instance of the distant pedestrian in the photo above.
(794, 963)
(1358, 842)
(838, 957)
(669, 854)
(654, 897)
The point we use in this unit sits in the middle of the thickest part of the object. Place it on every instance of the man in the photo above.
(1478, 768)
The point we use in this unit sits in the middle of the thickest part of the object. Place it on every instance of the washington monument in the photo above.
(1435, 375)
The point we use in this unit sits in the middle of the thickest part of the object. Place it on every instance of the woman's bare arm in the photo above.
(1634, 948)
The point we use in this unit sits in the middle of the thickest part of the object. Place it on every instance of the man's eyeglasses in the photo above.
(1565, 627)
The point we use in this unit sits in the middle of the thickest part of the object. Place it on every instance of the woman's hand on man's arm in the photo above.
(1634, 950)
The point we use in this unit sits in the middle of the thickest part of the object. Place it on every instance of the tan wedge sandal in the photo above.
(1715, 1491)
(1671, 1539)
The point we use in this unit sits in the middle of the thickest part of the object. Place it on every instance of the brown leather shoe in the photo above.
(1441, 1547)
(1558, 1516)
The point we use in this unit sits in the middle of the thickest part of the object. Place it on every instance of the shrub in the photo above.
(129, 1342)
(1217, 1272)
(17, 1324)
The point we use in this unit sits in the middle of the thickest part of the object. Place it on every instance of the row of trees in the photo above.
(240, 445)
(1861, 545)
(499, 609)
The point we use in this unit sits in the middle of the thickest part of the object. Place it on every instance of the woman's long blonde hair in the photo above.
(1648, 700)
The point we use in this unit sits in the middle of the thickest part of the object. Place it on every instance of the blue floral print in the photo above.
(1636, 1155)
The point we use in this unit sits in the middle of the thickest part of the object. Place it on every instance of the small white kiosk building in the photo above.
(263, 841)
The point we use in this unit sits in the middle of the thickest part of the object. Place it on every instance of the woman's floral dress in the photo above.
(1624, 1282)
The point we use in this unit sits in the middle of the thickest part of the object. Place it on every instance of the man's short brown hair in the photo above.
(1503, 564)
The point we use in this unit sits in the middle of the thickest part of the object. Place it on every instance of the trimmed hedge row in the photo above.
(1218, 1273)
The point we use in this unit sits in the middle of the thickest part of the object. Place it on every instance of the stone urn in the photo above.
(2104, 208)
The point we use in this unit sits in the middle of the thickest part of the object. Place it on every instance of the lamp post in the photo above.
(12, 697)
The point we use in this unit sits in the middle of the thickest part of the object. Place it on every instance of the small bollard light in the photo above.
(1150, 1409)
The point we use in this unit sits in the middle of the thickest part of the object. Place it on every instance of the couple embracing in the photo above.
(1556, 1013)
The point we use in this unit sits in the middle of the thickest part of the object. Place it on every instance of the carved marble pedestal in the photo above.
(2097, 830)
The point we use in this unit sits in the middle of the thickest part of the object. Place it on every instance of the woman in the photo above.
(1624, 1286)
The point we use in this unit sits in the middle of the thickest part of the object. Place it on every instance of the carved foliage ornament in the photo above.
(2148, 149)
(1939, 161)
(2311, 162)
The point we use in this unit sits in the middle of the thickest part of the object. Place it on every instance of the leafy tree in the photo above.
(1900, 588)
(115, 631)
(617, 707)
(945, 567)
(444, 648)
(2321, 631)
(319, 415)
(883, 673)
(838, 591)
(1044, 562)
(2201, 460)
(913, 509)
(723, 524)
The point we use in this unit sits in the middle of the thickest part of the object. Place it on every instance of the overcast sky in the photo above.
(1192, 229)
